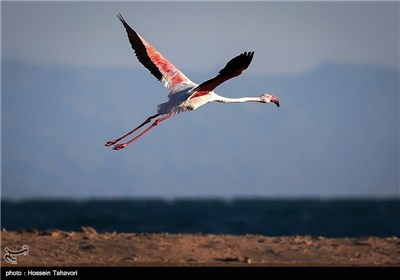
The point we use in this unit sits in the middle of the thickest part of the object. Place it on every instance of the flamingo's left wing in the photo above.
(160, 67)
(233, 68)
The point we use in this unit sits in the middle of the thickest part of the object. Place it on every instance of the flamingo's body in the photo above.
(184, 95)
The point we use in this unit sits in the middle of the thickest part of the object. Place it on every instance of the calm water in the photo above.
(332, 218)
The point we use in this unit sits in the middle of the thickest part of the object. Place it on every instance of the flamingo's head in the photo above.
(268, 98)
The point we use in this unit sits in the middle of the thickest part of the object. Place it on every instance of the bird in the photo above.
(183, 94)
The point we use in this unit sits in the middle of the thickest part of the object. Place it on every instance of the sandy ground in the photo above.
(88, 248)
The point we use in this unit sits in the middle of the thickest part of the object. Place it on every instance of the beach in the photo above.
(87, 247)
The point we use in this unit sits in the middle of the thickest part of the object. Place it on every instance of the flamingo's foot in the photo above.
(119, 146)
(110, 143)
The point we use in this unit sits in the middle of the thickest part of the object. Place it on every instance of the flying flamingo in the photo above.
(183, 94)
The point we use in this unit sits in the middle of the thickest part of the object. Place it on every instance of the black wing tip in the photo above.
(242, 61)
(140, 50)
(246, 58)
(120, 17)
(249, 55)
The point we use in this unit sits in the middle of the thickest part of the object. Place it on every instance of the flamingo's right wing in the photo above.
(173, 79)
(233, 68)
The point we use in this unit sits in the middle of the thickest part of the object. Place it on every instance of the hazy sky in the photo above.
(287, 37)
(70, 82)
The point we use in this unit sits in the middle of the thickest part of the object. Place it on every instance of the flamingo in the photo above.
(183, 94)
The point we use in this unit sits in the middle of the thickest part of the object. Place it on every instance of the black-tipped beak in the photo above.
(275, 100)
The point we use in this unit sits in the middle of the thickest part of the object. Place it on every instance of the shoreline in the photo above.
(85, 248)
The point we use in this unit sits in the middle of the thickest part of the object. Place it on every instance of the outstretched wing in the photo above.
(233, 68)
(160, 67)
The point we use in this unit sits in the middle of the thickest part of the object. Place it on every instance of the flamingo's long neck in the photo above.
(223, 99)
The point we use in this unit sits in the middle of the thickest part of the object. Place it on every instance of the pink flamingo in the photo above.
(183, 94)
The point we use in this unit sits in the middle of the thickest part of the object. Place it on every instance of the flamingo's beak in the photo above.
(275, 100)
